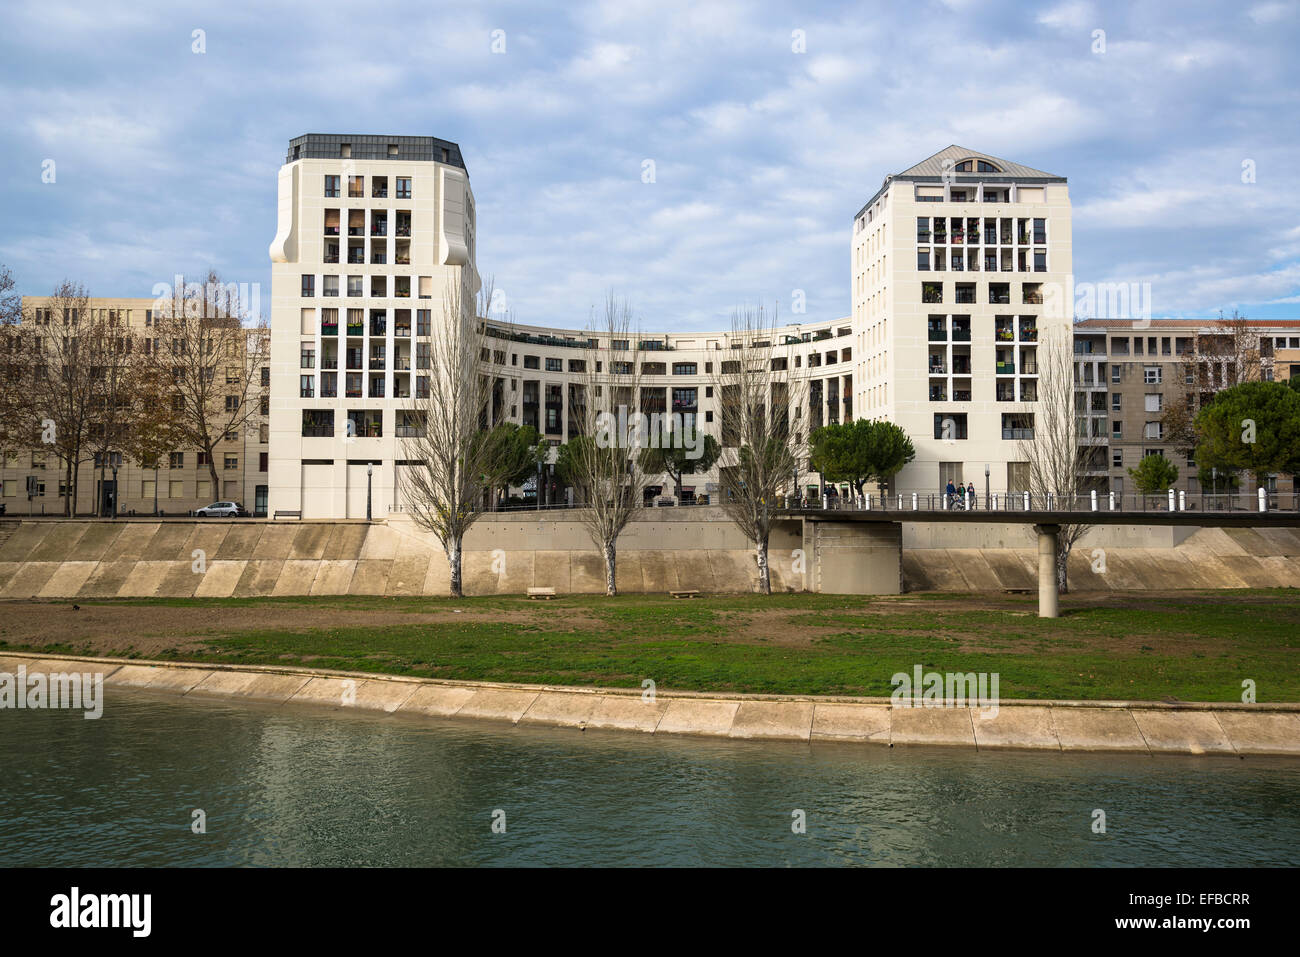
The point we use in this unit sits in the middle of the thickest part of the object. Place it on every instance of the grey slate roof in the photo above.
(369, 147)
(932, 168)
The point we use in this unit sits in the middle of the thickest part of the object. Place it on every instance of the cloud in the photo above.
(167, 160)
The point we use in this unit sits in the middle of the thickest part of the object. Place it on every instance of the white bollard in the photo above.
(1094, 500)
(1182, 500)
(900, 501)
(995, 502)
(914, 501)
(1263, 500)
(866, 504)
(1112, 501)
(945, 503)
(826, 501)
(1171, 500)
(1026, 501)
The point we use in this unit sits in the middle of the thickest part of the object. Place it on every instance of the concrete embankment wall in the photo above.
(666, 549)
(504, 555)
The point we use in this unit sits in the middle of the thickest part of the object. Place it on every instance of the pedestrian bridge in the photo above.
(831, 526)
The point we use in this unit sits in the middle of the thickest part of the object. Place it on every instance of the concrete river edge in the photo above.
(1127, 726)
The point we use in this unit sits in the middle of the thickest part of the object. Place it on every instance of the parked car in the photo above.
(222, 510)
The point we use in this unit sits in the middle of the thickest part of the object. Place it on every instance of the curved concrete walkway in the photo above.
(1131, 726)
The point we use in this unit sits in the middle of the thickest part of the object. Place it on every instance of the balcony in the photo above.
(402, 231)
(937, 394)
(378, 328)
(1006, 368)
(1028, 333)
(937, 335)
(961, 395)
(961, 335)
(402, 364)
(1018, 433)
(331, 257)
(356, 329)
(402, 332)
(329, 328)
(938, 368)
(332, 230)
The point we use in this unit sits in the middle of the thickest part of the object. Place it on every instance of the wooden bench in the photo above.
(686, 593)
(547, 593)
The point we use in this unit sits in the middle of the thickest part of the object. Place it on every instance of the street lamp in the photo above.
(987, 500)
(115, 458)
(370, 470)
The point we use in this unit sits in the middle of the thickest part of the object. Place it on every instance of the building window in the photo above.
(176, 460)
(1117, 458)
(232, 403)
(1155, 402)
(1116, 429)
(308, 286)
(331, 286)
(684, 368)
(1114, 372)
(331, 186)
(403, 187)
(1151, 375)
(366, 423)
(307, 387)
(950, 426)
(554, 365)
(356, 187)
(307, 358)
(932, 292)
(1153, 430)
(318, 423)
(231, 462)
(262, 458)
(354, 286)
(531, 362)
(1116, 401)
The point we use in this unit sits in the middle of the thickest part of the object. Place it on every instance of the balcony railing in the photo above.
(961, 335)
(329, 328)
(938, 335)
(1017, 433)
(1006, 368)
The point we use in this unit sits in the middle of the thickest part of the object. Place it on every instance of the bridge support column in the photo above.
(1049, 604)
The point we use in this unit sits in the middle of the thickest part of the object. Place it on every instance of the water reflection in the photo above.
(298, 787)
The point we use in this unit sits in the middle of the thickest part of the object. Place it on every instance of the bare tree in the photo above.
(214, 360)
(1227, 354)
(57, 349)
(1055, 456)
(760, 412)
(602, 461)
(126, 385)
(457, 458)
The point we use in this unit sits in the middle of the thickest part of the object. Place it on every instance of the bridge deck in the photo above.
(1206, 519)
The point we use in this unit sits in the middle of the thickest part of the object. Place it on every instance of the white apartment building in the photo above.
(372, 229)
(961, 269)
(372, 232)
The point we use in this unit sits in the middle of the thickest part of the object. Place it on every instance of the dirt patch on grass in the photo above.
(162, 629)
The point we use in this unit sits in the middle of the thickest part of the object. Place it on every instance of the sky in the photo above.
(135, 148)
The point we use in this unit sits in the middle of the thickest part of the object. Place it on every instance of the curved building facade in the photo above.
(953, 265)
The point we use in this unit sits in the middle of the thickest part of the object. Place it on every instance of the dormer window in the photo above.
(975, 166)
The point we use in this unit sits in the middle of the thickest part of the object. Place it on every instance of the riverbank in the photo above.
(1123, 726)
(1176, 646)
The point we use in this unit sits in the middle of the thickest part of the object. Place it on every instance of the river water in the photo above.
(293, 786)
